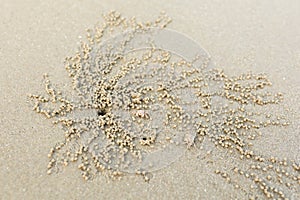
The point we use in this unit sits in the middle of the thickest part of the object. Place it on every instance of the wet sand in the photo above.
(36, 36)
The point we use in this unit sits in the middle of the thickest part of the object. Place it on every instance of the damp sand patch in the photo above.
(144, 95)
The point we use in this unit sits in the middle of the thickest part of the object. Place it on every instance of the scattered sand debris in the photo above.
(141, 102)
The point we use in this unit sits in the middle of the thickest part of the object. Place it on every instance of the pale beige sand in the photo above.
(35, 36)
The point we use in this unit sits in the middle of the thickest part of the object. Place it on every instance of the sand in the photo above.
(37, 36)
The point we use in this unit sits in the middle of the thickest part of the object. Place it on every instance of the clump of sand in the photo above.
(144, 95)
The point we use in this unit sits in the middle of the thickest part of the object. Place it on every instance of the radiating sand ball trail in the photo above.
(146, 94)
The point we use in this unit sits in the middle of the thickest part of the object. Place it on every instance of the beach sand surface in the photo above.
(36, 36)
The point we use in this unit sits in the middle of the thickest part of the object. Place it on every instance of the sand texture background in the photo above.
(36, 36)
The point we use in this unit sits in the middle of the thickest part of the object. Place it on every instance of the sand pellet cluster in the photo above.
(138, 107)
